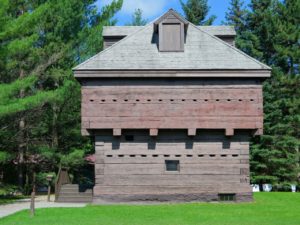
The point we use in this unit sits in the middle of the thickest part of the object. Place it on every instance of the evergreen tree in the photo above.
(137, 19)
(271, 34)
(196, 12)
(236, 15)
(40, 42)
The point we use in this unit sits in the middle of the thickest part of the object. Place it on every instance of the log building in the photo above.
(172, 107)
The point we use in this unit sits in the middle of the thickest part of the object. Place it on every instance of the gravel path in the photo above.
(41, 202)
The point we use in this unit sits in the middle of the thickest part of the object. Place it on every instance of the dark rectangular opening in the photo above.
(129, 138)
(172, 165)
(226, 197)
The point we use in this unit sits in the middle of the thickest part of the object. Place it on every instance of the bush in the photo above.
(8, 190)
(283, 187)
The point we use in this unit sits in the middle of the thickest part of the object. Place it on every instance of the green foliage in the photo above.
(41, 179)
(137, 19)
(40, 43)
(73, 160)
(7, 189)
(196, 12)
(5, 157)
(270, 32)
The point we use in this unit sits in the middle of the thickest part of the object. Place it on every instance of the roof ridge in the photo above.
(232, 47)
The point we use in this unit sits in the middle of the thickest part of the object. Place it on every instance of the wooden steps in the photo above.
(70, 193)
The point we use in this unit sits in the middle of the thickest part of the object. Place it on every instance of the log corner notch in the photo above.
(117, 132)
(229, 132)
(153, 132)
(258, 132)
(192, 132)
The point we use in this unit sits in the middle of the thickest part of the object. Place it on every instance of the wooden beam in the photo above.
(229, 131)
(153, 132)
(258, 132)
(117, 132)
(192, 132)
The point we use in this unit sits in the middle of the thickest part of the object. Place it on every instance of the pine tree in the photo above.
(271, 34)
(236, 15)
(40, 42)
(137, 19)
(196, 12)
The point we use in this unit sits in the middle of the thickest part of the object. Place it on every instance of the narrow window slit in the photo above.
(212, 155)
(132, 156)
(166, 155)
(114, 100)
(144, 156)
(235, 155)
(103, 100)
(223, 155)
(189, 155)
(194, 100)
(91, 100)
(200, 155)
(120, 156)
(154, 155)
(109, 156)
(177, 155)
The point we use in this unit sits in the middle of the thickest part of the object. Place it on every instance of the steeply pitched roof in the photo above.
(202, 51)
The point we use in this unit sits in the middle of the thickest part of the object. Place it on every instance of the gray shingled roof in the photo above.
(127, 30)
(202, 51)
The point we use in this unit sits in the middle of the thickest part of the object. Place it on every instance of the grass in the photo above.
(268, 208)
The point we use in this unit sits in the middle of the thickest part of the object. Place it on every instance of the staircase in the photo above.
(70, 193)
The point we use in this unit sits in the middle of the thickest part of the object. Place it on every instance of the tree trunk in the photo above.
(55, 111)
(21, 141)
(54, 126)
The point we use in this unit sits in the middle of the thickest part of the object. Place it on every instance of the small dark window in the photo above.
(129, 138)
(172, 165)
(226, 197)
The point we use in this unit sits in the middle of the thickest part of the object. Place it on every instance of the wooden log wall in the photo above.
(170, 104)
(209, 163)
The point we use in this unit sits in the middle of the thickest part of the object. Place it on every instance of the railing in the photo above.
(62, 178)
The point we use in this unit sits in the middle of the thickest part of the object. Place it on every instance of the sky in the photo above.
(155, 8)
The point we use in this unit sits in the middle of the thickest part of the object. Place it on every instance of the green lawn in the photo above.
(268, 208)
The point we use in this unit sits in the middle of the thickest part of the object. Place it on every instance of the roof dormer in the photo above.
(171, 29)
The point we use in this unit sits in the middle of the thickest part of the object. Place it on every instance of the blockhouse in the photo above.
(172, 107)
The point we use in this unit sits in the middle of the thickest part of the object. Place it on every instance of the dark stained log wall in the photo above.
(167, 104)
(210, 163)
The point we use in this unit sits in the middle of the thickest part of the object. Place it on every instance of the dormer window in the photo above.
(171, 29)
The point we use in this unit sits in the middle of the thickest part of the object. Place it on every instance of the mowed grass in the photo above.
(268, 208)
